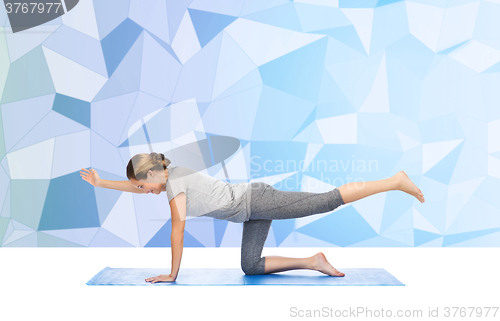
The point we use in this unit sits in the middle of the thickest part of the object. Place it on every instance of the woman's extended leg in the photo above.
(400, 182)
(269, 203)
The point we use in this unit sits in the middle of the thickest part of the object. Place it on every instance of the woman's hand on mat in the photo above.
(90, 176)
(161, 278)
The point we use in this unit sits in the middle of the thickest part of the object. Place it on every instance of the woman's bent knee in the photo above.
(250, 272)
(249, 269)
(252, 266)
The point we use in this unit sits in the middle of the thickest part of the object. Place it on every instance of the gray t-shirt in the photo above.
(208, 196)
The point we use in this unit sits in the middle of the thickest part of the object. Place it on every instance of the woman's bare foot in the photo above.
(407, 186)
(320, 263)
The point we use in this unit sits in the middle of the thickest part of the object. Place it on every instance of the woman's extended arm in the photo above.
(91, 176)
(125, 186)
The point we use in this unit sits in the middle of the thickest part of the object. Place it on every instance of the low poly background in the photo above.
(319, 93)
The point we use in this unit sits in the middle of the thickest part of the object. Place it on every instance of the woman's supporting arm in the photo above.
(177, 245)
(178, 217)
(125, 186)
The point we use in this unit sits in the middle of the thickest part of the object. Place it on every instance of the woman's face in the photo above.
(155, 183)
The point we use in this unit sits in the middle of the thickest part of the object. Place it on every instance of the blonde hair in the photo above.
(140, 164)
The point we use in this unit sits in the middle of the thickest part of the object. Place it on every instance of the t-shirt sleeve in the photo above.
(174, 187)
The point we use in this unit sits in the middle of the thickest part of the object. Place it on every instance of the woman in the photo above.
(254, 204)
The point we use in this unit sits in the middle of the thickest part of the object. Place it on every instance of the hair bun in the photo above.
(159, 159)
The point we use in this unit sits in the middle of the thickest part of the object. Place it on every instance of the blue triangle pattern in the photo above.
(343, 227)
(73, 108)
(118, 42)
(298, 73)
(421, 237)
(208, 24)
(162, 238)
(149, 91)
(64, 209)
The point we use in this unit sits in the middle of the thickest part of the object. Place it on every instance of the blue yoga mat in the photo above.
(213, 276)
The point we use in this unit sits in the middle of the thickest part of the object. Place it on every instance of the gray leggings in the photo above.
(267, 204)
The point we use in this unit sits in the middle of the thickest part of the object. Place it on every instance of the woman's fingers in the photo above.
(88, 175)
(86, 172)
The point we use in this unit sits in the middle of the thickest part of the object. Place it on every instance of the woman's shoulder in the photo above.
(182, 169)
(181, 172)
